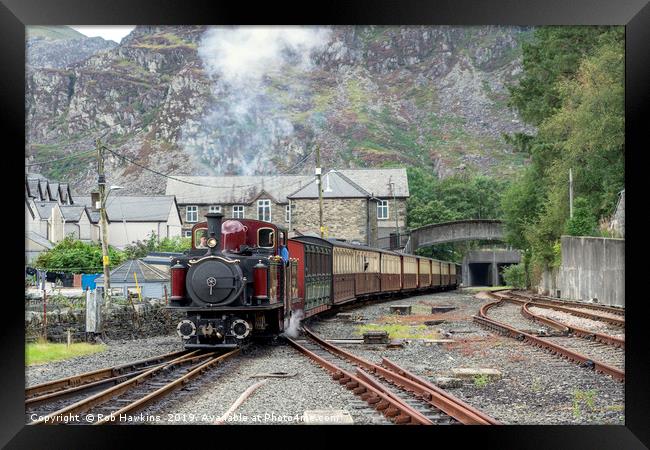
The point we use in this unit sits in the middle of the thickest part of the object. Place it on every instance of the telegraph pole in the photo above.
(103, 221)
(570, 194)
(320, 192)
(392, 189)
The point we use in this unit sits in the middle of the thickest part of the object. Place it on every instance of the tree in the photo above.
(141, 248)
(71, 255)
(573, 89)
(583, 222)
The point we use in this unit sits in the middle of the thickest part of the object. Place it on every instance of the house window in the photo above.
(287, 213)
(187, 233)
(215, 209)
(264, 210)
(382, 209)
(192, 213)
(238, 212)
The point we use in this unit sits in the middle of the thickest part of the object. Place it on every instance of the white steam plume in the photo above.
(292, 326)
(247, 124)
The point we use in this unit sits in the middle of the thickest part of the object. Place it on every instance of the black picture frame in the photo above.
(634, 14)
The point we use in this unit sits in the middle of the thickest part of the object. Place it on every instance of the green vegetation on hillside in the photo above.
(572, 88)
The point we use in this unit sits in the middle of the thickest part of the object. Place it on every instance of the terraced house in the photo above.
(359, 204)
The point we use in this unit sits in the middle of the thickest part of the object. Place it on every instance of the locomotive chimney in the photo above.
(214, 230)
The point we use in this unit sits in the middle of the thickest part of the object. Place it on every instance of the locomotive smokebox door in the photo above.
(214, 281)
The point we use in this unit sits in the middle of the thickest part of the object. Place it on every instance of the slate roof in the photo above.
(335, 185)
(40, 188)
(133, 208)
(376, 181)
(231, 190)
(72, 213)
(145, 273)
(44, 208)
(40, 240)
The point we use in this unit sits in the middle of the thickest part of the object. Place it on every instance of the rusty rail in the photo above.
(577, 331)
(553, 305)
(169, 387)
(553, 348)
(88, 378)
(106, 395)
(565, 303)
(401, 378)
(395, 410)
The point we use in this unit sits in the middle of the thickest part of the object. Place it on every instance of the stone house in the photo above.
(245, 197)
(266, 198)
(349, 211)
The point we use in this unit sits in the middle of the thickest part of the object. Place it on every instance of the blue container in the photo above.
(88, 281)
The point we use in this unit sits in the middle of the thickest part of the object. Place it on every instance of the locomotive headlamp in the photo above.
(212, 242)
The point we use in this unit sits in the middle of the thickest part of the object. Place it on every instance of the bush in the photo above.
(583, 222)
(515, 276)
(71, 255)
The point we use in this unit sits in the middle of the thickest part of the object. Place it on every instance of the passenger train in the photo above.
(245, 279)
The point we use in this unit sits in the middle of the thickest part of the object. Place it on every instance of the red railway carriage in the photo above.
(313, 258)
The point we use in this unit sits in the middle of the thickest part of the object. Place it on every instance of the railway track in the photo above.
(129, 393)
(612, 315)
(580, 332)
(75, 385)
(576, 349)
(399, 395)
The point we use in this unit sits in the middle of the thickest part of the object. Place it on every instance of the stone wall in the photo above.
(250, 212)
(387, 226)
(345, 218)
(119, 321)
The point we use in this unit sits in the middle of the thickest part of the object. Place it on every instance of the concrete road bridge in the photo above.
(460, 230)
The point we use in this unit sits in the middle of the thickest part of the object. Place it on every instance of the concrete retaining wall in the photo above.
(591, 268)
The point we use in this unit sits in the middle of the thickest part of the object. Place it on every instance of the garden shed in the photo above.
(134, 273)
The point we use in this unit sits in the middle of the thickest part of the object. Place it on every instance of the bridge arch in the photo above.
(460, 230)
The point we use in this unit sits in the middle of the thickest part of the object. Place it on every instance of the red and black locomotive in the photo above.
(244, 279)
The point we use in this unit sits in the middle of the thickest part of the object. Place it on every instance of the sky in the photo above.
(109, 32)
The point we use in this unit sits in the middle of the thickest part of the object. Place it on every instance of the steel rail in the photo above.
(435, 396)
(565, 303)
(394, 409)
(411, 376)
(566, 328)
(95, 375)
(555, 349)
(105, 395)
(586, 315)
(580, 332)
(169, 387)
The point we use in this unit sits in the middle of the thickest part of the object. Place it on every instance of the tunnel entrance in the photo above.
(479, 274)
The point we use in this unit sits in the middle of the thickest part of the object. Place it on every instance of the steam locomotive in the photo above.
(243, 279)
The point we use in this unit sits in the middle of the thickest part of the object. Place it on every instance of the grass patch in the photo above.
(42, 352)
(399, 331)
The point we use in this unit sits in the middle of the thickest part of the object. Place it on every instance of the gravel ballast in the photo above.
(534, 387)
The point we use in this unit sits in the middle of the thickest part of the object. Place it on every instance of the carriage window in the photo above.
(265, 238)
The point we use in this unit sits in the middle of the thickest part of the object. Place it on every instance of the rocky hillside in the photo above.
(192, 100)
